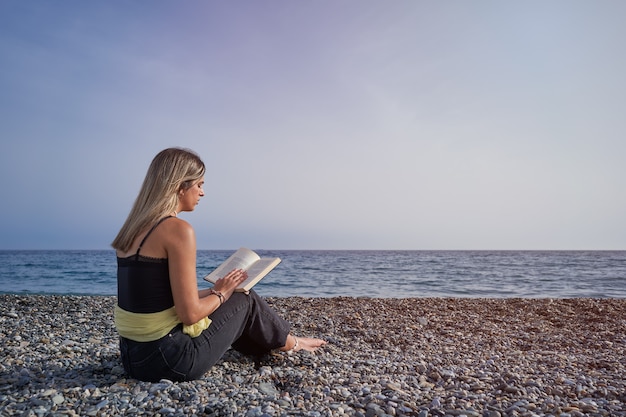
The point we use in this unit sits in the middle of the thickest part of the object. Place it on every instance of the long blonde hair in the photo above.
(172, 170)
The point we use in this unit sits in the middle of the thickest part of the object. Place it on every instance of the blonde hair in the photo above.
(172, 170)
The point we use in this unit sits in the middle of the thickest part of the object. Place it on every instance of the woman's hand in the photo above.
(230, 282)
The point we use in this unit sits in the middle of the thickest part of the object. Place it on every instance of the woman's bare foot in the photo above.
(295, 344)
(310, 344)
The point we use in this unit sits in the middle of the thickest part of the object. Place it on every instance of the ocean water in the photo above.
(395, 274)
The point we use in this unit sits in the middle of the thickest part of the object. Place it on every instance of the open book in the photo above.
(247, 260)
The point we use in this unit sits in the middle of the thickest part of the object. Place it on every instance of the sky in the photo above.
(417, 125)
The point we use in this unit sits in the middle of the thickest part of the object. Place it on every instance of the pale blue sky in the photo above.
(323, 124)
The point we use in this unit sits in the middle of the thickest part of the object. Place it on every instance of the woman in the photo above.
(168, 328)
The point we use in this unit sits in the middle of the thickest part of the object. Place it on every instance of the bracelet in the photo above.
(219, 295)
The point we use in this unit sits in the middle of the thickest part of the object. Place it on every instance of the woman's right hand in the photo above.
(230, 282)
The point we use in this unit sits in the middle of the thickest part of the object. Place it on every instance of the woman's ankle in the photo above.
(292, 344)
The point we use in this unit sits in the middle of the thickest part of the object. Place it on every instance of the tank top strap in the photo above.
(148, 234)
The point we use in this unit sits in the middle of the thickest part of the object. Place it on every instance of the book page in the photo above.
(241, 259)
(257, 271)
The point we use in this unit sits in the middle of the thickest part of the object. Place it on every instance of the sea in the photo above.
(351, 273)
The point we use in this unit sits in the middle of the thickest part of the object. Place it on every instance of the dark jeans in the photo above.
(245, 322)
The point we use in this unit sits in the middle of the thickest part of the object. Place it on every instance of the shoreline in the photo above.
(386, 356)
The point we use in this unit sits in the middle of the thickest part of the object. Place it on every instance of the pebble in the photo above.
(386, 357)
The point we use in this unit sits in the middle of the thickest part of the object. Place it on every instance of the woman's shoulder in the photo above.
(154, 242)
(177, 237)
(176, 227)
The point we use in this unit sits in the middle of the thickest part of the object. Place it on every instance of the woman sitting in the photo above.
(168, 328)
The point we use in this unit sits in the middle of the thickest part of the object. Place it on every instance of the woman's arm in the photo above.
(192, 305)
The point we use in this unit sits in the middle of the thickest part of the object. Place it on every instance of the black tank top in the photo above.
(143, 283)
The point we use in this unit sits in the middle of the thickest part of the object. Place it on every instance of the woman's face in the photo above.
(190, 197)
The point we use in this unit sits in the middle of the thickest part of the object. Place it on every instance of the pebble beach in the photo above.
(385, 357)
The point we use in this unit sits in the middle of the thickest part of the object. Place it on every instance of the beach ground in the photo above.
(397, 357)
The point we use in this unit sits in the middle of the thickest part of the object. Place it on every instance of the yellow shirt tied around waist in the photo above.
(147, 327)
